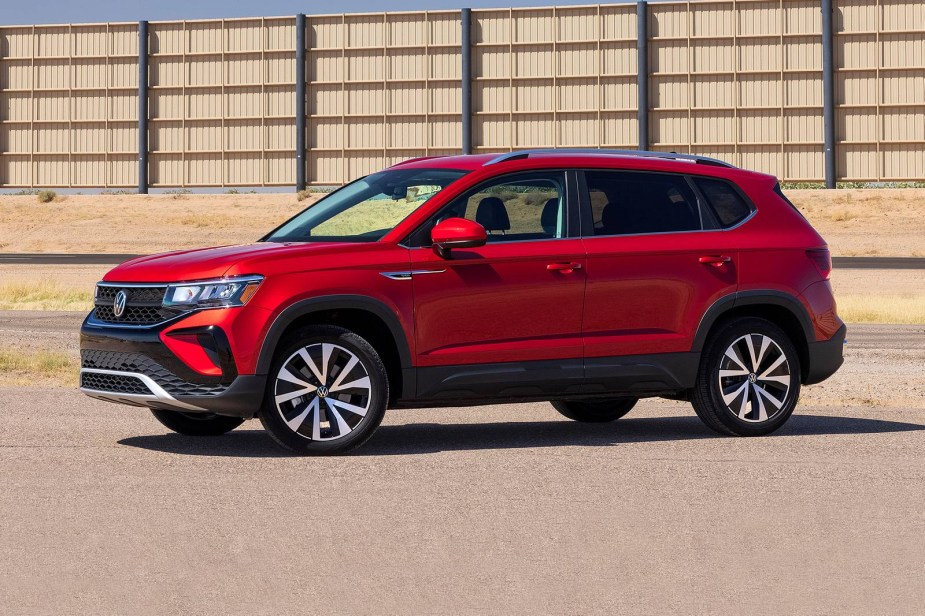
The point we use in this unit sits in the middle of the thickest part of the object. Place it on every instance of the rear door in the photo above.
(656, 261)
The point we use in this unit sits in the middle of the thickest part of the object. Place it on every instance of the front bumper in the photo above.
(133, 366)
(826, 357)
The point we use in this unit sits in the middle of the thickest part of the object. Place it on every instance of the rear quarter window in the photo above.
(725, 201)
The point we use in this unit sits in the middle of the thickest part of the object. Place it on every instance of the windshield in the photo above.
(365, 210)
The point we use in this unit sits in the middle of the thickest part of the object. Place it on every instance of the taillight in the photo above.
(822, 260)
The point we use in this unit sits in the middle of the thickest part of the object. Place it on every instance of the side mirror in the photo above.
(457, 233)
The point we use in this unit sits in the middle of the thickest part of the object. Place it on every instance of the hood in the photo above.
(204, 263)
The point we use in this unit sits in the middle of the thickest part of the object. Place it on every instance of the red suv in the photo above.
(586, 278)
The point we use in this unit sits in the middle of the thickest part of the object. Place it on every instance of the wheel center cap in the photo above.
(752, 377)
(322, 391)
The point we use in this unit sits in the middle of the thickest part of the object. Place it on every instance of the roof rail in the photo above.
(691, 158)
(414, 160)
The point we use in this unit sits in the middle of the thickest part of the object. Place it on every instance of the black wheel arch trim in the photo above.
(332, 302)
(753, 298)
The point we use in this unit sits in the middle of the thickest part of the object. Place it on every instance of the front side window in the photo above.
(631, 202)
(365, 210)
(528, 206)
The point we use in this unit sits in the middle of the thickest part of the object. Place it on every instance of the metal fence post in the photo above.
(642, 70)
(300, 102)
(828, 93)
(466, 77)
(142, 107)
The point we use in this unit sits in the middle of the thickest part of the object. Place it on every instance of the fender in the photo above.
(332, 302)
(750, 298)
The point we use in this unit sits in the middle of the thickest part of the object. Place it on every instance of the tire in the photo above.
(197, 424)
(760, 381)
(307, 409)
(596, 411)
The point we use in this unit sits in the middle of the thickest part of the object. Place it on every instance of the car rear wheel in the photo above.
(197, 424)
(595, 411)
(327, 392)
(748, 382)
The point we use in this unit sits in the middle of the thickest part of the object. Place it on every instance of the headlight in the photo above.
(212, 293)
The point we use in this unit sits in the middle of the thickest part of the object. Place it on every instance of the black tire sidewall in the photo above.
(207, 425)
(275, 425)
(709, 385)
(595, 411)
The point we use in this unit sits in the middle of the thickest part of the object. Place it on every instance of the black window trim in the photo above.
(571, 195)
(587, 219)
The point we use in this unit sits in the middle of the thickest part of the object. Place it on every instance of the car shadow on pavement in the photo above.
(423, 438)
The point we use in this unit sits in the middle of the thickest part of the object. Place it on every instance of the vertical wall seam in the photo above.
(300, 102)
(642, 74)
(465, 17)
(828, 93)
(143, 107)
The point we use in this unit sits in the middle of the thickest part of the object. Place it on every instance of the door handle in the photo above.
(715, 260)
(565, 268)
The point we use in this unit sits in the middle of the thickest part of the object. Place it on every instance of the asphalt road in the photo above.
(47, 258)
(503, 510)
(506, 509)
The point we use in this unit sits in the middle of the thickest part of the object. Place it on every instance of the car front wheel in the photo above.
(748, 382)
(327, 392)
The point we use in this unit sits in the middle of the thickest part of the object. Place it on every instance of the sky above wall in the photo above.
(84, 11)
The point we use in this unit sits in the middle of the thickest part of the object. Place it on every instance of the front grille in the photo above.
(142, 364)
(115, 383)
(134, 315)
(142, 305)
(135, 294)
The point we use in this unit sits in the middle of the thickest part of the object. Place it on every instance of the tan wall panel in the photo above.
(15, 139)
(737, 79)
(713, 19)
(51, 170)
(802, 163)
(68, 87)
(278, 169)
(409, 98)
(122, 170)
(16, 170)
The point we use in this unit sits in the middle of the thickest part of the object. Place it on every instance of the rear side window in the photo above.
(725, 201)
(630, 202)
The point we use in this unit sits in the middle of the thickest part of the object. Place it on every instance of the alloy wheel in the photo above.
(754, 378)
(322, 392)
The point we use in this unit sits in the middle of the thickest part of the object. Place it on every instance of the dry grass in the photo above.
(880, 296)
(37, 368)
(44, 295)
(864, 296)
(906, 308)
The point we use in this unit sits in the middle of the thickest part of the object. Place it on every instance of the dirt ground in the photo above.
(885, 222)
(140, 224)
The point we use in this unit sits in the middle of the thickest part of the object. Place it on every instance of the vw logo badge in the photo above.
(118, 304)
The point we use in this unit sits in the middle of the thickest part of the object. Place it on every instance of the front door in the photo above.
(504, 318)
